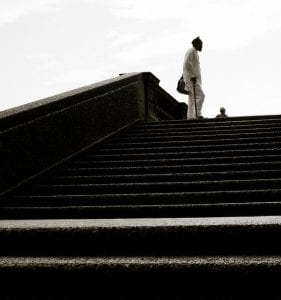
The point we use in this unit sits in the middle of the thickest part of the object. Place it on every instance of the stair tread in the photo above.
(190, 136)
(211, 155)
(199, 126)
(164, 166)
(91, 224)
(236, 119)
(197, 131)
(192, 148)
(144, 262)
(177, 141)
(163, 176)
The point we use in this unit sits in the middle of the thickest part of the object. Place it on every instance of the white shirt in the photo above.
(191, 68)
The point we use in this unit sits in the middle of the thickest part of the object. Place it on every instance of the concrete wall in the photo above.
(41, 134)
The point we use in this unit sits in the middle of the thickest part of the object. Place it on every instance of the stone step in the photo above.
(224, 156)
(160, 127)
(99, 207)
(164, 166)
(169, 198)
(195, 143)
(185, 146)
(236, 119)
(187, 136)
(197, 131)
(166, 177)
(145, 236)
(183, 164)
(146, 264)
(210, 121)
(153, 187)
(141, 277)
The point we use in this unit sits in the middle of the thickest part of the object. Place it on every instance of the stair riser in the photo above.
(163, 187)
(217, 121)
(192, 145)
(187, 136)
(185, 177)
(189, 148)
(145, 241)
(209, 142)
(165, 281)
(179, 165)
(187, 157)
(82, 211)
(162, 166)
(152, 199)
(202, 127)
(197, 131)
(163, 158)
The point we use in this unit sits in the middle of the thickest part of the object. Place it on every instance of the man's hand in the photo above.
(193, 79)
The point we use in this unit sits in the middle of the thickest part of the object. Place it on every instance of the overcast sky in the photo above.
(53, 46)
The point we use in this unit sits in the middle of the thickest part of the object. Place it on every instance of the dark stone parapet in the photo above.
(58, 102)
(40, 134)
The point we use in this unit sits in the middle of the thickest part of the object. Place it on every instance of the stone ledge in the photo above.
(99, 87)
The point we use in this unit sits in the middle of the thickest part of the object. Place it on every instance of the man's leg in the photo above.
(191, 107)
(200, 96)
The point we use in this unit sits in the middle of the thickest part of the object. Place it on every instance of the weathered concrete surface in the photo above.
(145, 263)
(69, 224)
(210, 277)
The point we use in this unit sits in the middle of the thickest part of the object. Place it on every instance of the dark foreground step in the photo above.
(140, 277)
(150, 236)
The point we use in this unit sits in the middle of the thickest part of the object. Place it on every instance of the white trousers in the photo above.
(200, 96)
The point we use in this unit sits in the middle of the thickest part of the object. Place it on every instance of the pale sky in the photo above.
(53, 46)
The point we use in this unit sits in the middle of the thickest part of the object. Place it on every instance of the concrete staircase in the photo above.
(171, 209)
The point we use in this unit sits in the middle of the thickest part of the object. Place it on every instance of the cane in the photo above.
(194, 97)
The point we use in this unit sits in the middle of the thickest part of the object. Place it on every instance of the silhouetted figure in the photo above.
(222, 113)
(192, 75)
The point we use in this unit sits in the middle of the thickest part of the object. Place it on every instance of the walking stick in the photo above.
(194, 98)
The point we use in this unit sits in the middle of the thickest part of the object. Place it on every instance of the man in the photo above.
(222, 113)
(192, 75)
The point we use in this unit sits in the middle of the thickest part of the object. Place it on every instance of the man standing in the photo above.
(192, 75)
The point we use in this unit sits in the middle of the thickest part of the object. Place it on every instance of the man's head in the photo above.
(197, 44)
(222, 110)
